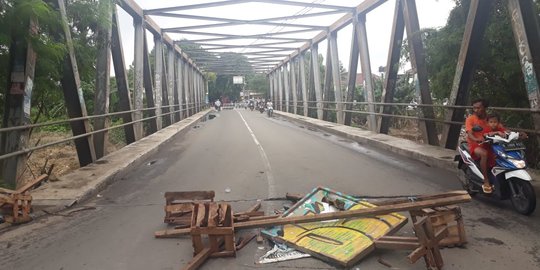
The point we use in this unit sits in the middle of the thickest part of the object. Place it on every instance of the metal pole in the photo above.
(294, 83)
(392, 66)
(353, 70)
(17, 104)
(74, 98)
(317, 79)
(287, 84)
(102, 90)
(418, 62)
(336, 80)
(158, 77)
(148, 89)
(303, 83)
(124, 102)
(366, 70)
(469, 53)
(180, 85)
(170, 81)
(138, 86)
(525, 28)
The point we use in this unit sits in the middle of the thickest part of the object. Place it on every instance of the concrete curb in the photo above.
(88, 181)
(431, 155)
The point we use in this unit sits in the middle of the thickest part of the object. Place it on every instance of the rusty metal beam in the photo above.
(366, 70)
(527, 35)
(392, 65)
(477, 20)
(149, 89)
(418, 62)
(102, 87)
(74, 98)
(303, 85)
(124, 97)
(294, 84)
(138, 84)
(327, 94)
(336, 77)
(317, 79)
(353, 70)
(17, 104)
(158, 79)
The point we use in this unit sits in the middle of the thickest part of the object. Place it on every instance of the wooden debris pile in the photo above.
(15, 205)
(437, 222)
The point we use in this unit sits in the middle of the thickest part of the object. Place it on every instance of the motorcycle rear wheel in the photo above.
(524, 201)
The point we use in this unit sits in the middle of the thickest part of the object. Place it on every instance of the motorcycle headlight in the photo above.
(502, 154)
(520, 164)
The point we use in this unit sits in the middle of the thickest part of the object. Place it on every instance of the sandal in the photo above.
(488, 189)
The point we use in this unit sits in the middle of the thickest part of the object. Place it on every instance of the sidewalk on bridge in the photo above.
(88, 181)
(433, 156)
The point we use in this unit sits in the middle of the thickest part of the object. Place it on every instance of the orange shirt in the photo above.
(472, 121)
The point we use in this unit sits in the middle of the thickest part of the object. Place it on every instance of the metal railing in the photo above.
(190, 107)
(330, 106)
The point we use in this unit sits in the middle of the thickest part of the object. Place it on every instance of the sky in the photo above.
(431, 13)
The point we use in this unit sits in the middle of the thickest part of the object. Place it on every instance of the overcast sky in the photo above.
(432, 13)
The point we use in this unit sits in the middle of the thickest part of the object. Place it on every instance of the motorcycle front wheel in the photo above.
(524, 199)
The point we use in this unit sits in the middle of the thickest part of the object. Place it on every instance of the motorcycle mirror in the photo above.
(477, 128)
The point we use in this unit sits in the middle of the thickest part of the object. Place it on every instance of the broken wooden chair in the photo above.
(15, 205)
(445, 216)
(179, 206)
(215, 221)
(425, 244)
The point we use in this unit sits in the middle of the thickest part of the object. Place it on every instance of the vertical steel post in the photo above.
(276, 89)
(102, 90)
(158, 77)
(170, 81)
(74, 98)
(287, 84)
(121, 76)
(317, 79)
(527, 36)
(148, 90)
(327, 94)
(138, 86)
(280, 88)
(18, 97)
(302, 70)
(180, 86)
(469, 53)
(392, 65)
(294, 83)
(366, 70)
(186, 87)
(418, 62)
(165, 91)
(336, 77)
(353, 70)
(175, 86)
(270, 77)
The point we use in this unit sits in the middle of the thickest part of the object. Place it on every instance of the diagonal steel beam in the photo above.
(226, 24)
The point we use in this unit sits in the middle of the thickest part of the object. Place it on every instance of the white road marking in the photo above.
(269, 176)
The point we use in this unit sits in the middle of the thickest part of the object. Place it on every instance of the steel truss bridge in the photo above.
(282, 49)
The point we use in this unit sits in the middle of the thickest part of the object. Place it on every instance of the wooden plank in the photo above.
(189, 195)
(379, 210)
(31, 184)
(394, 244)
(198, 260)
(201, 219)
(179, 208)
(171, 233)
(213, 215)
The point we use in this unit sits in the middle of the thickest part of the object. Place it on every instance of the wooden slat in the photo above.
(198, 260)
(384, 244)
(202, 215)
(213, 215)
(189, 195)
(32, 183)
(379, 210)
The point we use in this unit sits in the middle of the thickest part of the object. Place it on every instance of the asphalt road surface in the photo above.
(245, 156)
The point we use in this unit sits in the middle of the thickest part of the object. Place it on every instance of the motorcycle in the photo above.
(269, 110)
(251, 106)
(509, 177)
(261, 108)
